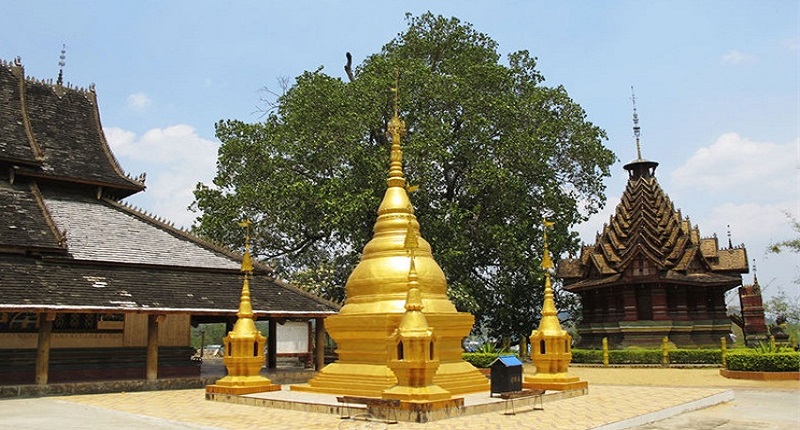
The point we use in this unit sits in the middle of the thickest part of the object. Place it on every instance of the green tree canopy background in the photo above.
(491, 147)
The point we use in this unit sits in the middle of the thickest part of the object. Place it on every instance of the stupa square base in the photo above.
(241, 390)
(547, 382)
(473, 404)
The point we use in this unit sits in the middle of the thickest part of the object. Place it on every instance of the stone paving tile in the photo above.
(605, 404)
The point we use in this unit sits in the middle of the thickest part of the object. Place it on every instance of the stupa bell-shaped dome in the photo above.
(379, 282)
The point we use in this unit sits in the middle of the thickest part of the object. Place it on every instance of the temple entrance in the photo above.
(644, 302)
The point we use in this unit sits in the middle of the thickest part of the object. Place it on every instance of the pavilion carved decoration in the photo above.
(651, 274)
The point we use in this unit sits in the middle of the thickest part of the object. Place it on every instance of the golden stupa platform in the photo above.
(550, 383)
(238, 390)
(323, 403)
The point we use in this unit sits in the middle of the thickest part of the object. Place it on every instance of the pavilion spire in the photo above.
(639, 167)
(637, 131)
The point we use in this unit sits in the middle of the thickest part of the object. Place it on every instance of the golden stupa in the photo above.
(376, 297)
(244, 345)
(413, 355)
(551, 345)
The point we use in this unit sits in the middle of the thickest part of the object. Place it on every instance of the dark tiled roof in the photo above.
(14, 142)
(62, 248)
(98, 230)
(40, 284)
(64, 124)
(23, 223)
(646, 227)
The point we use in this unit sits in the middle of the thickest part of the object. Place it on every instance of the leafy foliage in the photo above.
(491, 147)
(480, 359)
(771, 362)
(791, 245)
(648, 356)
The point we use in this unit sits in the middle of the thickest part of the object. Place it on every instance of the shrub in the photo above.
(777, 362)
(480, 359)
(634, 356)
(695, 356)
(594, 356)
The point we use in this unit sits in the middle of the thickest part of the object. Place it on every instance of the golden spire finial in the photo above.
(245, 306)
(247, 264)
(397, 128)
(549, 306)
(547, 263)
(413, 299)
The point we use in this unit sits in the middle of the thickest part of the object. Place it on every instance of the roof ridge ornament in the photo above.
(61, 63)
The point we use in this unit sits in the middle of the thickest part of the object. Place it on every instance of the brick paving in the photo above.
(618, 398)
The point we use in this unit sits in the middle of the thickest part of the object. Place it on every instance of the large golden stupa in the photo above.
(376, 297)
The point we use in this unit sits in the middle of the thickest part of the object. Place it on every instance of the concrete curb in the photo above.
(712, 400)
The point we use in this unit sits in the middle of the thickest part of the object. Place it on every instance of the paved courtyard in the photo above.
(617, 399)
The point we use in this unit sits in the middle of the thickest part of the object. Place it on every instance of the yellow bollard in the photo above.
(605, 352)
(724, 346)
(665, 351)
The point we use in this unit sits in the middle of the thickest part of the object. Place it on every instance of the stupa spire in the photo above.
(396, 130)
(549, 321)
(245, 306)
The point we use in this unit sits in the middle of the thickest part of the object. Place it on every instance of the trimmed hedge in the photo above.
(777, 362)
(587, 356)
(648, 356)
(695, 356)
(480, 359)
(634, 356)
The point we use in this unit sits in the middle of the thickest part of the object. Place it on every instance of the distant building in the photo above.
(89, 287)
(650, 274)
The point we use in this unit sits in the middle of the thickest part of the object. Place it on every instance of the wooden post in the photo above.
(319, 332)
(43, 347)
(152, 346)
(272, 344)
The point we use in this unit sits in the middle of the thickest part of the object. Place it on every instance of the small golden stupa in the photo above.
(412, 347)
(376, 297)
(551, 346)
(244, 345)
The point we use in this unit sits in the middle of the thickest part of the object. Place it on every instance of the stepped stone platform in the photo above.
(477, 403)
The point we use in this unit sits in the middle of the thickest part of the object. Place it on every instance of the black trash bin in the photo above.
(506, 374)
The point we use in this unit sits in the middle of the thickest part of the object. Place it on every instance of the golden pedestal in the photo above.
(362, 368)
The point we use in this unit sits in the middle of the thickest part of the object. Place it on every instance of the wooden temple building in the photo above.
(650, 273)
(91, 288)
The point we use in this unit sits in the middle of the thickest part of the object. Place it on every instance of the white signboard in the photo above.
(293, 337)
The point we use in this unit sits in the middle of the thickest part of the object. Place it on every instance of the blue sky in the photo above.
(717, 86)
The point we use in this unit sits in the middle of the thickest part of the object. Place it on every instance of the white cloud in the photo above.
(139, 101)
(792, 44)
(738, 57)
(736, 165)
(175, 158)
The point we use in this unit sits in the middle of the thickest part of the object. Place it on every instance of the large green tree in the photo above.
(491, 147)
